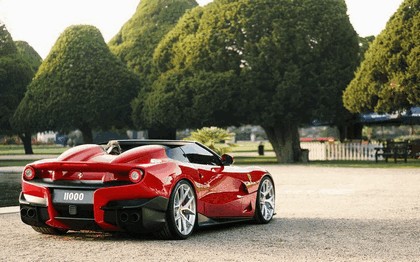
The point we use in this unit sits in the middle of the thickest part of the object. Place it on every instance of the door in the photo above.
(219, 191)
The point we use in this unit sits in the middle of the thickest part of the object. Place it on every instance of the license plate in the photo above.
(72, 196)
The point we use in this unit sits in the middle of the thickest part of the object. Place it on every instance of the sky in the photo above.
(40, 22)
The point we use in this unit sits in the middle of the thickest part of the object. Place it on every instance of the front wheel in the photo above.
(265, 205)
(181, 215)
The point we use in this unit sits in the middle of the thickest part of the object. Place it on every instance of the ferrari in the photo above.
(167, 188)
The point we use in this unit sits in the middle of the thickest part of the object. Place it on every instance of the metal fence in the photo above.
(340, 151)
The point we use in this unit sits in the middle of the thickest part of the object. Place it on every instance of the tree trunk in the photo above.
(162, 133)
(87, 134)
(285, 142)
(27, 142)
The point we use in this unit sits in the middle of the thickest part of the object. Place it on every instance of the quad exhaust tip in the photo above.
(28, 212)
(130, 218)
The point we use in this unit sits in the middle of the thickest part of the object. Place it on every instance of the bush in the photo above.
(212, 137)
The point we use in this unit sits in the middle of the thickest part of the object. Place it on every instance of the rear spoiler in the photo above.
(67, 168)
(78, 166)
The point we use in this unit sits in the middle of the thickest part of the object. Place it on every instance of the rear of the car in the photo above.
(87, 189)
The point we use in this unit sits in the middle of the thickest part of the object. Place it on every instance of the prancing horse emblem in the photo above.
(249, 177)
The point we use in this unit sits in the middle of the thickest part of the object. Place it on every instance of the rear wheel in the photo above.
(181, 215)
(265, 205)
(49, 230)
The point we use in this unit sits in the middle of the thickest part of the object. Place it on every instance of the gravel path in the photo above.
(323, 214)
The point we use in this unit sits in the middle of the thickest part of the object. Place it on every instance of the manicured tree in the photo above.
(278, 64)
(349, 123)
(80, 84)
(7, 46)
(301, 67)
(15, 75)
(388, 78)
(34, 60)
(29, 54)
(136, 42)
(364, 44)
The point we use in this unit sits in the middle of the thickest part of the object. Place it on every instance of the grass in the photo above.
(4, 163)
(271, 160)
(411, 163)
(246, 147)
(243, 147)
(268, 160)
(257, 160)
(38, 149)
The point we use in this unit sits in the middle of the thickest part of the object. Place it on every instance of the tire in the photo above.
(265, 205)
(181, 216)
(49, 230)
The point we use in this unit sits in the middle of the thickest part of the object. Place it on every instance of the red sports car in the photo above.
(139, 186)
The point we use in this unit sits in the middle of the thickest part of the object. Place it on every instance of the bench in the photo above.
(394, 150)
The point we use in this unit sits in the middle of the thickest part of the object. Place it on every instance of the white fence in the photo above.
(340, 151)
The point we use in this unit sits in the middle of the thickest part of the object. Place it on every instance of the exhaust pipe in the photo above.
(31, 212)
(124, 217)
(23, 212)
(135, 217)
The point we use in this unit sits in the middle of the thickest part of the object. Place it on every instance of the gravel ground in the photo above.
(323, 214)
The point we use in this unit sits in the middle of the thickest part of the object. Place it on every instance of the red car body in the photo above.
(87, 188)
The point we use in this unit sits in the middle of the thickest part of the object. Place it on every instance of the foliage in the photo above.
(39, 149)
(135, 44)
(7, 46)
(211, 137)
(29, 54)
(388, 78)
(278, 64)
(15, 75)
(364, 44)
(34, 60)
(302, 64)
(181, 102)
(80, 84)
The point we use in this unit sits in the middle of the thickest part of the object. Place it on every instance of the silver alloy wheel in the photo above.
(267, 199)
(184, 209)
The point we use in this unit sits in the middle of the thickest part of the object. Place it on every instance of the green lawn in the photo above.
(250, 147)
(411, 163)
(4, 163)
(38, 149)
(57, 149)
(257, 160)
(242, 147)
(268, 160)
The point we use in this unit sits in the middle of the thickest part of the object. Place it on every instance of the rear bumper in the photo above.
(109, 211)
(138, 215)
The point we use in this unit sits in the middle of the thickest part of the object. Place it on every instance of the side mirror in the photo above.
(227, 160)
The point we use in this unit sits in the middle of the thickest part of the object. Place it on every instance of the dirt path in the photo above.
(323, 214)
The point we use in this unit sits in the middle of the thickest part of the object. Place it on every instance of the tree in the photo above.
(136, 41)
(29, 54)
(80, 84)
(364, 44)
(349, 123)
(388, 78)
(278, 64)
(34, 60)
(15, 75)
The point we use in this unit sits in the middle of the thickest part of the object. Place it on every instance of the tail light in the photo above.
(29, 173)
(136, 175)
